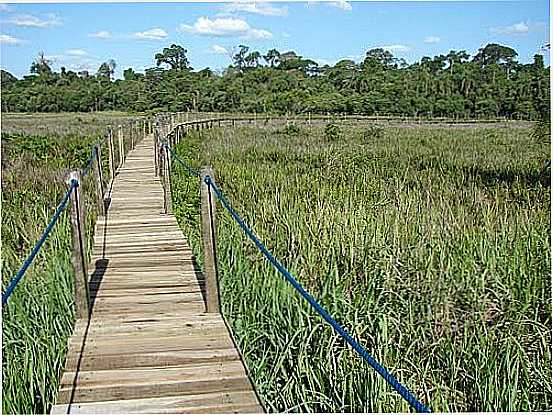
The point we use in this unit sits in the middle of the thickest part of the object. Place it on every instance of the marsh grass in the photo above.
(430, 245)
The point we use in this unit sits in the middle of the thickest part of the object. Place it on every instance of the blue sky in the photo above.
(82, 35)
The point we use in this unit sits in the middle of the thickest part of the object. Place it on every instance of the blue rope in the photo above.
(388, 377)
(88, 166)
(191, 170)
(13, 283)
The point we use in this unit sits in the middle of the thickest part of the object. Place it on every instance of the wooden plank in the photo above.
(227, 402)
(85, 386)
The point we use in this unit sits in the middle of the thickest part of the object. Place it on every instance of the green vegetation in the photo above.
(431, 246)
(37, 152)
(490, 83)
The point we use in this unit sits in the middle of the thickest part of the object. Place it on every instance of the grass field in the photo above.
(37, 152)
(431, 246)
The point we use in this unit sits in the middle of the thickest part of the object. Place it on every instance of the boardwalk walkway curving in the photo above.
(149, 345)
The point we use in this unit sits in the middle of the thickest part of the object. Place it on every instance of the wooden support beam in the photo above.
(78, 242)
(209, 243)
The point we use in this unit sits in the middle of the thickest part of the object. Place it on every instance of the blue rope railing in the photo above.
(61, 207)
(90, 160)
(190, 170)
(74, 183)
(382, 371)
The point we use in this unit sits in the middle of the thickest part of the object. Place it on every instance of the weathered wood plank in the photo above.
(228, 402)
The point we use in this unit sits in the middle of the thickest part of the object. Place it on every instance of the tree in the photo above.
(129, 74)
(378, 57)
(107, 69)
(454, 57)
(173, 56)
(272, 57)
(239, 58)
(6, 78)
(494, 53)
(41, 65)
(252, 59)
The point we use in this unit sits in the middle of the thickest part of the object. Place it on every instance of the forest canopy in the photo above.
(490, 83)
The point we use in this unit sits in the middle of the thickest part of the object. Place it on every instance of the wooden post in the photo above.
(121, 149)
(98, 177)
(132, 136)
(78, 253)
(166, 180)
(209, 243)
(156, 149)
(110, 154)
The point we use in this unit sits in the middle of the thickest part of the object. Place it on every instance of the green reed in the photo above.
(430, 245)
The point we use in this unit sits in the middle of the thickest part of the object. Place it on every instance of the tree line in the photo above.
(490, 83)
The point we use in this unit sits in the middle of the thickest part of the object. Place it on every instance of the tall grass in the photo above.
(431, 245)
(39, 316)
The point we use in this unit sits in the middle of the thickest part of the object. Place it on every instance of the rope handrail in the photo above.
(61, 207)
(381, 370)
(190, 170)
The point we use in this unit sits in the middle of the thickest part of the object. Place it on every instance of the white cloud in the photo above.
(286, 34)
(259, 34)
(4, 8)
(432, 39)
(153, 34)
(28, 20)
(341, 4)
(259, 7)
(10, 40)
(102, 34)
(224, 27)
(396, 48)
(220, 50)
(514, 29)
(76, 52)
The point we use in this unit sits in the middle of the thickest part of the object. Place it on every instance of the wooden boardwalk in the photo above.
(149, 346)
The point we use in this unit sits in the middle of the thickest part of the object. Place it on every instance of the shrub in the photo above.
(332, 132)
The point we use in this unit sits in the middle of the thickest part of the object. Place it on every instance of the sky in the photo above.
(80, 36)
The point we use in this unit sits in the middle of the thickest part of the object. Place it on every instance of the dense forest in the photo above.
(490, 83)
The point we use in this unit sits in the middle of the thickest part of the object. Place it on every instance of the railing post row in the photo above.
(78, 242)
(209, 242)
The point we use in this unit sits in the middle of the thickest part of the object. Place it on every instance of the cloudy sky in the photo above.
(81, 36)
